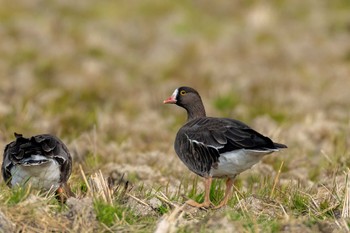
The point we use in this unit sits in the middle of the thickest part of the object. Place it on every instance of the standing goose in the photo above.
(216, 147)
(42, 160)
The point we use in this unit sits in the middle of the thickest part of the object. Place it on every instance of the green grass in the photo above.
(17, 195)
(110, 214)
(299, 203)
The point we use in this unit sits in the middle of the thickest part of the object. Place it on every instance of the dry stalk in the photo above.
(346, 204)
(328, 209)
(168, 223)
(326, 156)
(137, 199)
(241, 205)
(100, 187)
(315, 206)
(343, 225)
(237, 191)
(276, 179)
(286, 216)
(162, 197)
(106, 228)
(84, 177)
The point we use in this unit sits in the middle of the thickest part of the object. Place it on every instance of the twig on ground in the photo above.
(138, 200)
(161, 196)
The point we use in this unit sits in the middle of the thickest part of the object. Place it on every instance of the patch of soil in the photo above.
(81, 214)
(256, 206)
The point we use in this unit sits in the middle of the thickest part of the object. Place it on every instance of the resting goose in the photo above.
(216, 147)
(42, 160)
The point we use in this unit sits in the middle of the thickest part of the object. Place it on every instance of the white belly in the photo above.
(43, 176)
(234, 162)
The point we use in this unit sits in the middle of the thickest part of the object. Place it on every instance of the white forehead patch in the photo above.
(175, 93)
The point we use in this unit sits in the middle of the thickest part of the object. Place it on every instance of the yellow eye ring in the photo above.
(182, 92)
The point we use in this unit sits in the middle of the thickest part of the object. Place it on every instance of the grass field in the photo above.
(95, 74)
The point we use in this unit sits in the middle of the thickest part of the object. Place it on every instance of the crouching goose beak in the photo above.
(216, 147)
(42, 160)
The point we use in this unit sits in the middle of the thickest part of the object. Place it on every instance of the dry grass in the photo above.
(95, 73)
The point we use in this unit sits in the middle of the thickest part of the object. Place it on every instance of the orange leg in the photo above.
(63, 192)
(60, 195)
(228, 192)
(207, 202)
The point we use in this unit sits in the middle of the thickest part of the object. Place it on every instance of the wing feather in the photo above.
(200, 142)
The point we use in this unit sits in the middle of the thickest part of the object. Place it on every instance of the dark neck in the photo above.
(195, 111)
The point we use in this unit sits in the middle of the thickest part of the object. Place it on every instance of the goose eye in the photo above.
(182, 92)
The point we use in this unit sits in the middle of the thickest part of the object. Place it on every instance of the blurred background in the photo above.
(95, 73)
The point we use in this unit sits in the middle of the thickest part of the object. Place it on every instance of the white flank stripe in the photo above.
(201, 143)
